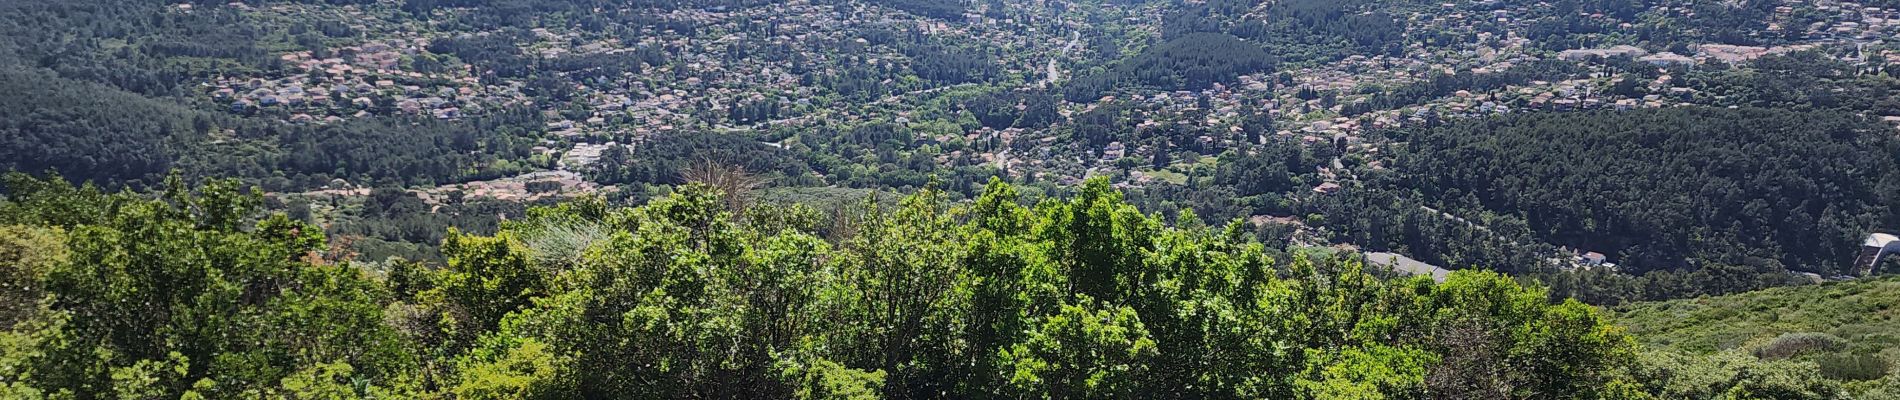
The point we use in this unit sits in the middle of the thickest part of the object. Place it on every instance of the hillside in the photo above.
(913, 199)
(1466, 135)
(1836, 338)
(1745, 186)
(1866, 313)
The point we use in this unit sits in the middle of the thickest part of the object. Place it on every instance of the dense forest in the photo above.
(98, 133)
(133, 44)
(410, 150)
(1297, 30)
(123, 116)
(392, 222)
(91, 131)
(945, 9)
(1191, 62)
(664, 160)
(1664, 189)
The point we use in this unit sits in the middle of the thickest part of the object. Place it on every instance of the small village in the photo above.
(700, 84)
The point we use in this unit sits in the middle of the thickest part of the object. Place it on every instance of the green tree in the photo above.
(1083, 351)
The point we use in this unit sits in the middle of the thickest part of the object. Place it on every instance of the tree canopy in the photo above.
(1665, 189)
(193, 292)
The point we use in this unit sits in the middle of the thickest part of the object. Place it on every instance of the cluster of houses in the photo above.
(725, 60)
(695, 88)
(1726, 53)
(362, 80)
(394, 73)
(1841, 20)
(1218, 111)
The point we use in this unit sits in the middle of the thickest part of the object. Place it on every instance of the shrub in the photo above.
(1853, 367)
(1798, 343)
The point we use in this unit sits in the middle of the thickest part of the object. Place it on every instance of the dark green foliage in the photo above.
(105, 91)
(1190, 62)
(1297, 30)
(1384, 219)
(946, 64)
(92, 132)
(496, 53)
(1005, 109)
(393, 222)
(71, 38)
(1270, 169)
(492, 14)
(87, 131)
(882, 154)
(1611, 287)
(1801, 80)
(1664, 189)
(411, 150)
(663, 159)
(1583, 23)
(951, 10)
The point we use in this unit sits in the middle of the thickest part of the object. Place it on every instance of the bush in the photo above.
(1853, 367)
(1798, 343)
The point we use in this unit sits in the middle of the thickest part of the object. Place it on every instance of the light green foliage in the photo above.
(487, 277)
(334, 380)
(1731, 375)
(22, 347)
(1833, 340)
(821, 379)
(154, 296)
(1884, 389)
(26, 255)
(525, 370)
(1375, 372)
(148, 379)
(1083, 353)
(558, 236)
(1849, 310)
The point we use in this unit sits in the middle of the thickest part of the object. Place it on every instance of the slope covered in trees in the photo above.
(133, 44)
(1856, 312)
(90, 131)
(93, 132)
(1665, 189)
(945, 9)
(1297, 30)
(1193, 61)
(195, 293)
(664, 159)
(106, 91)
(409, 150)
